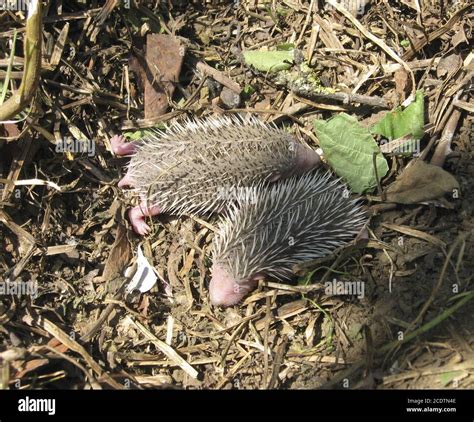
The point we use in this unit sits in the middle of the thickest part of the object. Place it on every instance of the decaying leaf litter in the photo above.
(320, 71)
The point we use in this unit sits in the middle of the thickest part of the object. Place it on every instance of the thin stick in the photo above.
(32, 50)
(376, 40)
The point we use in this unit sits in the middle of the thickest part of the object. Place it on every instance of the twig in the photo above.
(266, 350)
(166, 349)
(419, 44)
(32, 50)
(444, 144)
(343, 97)
(219, 77)
(96, 325)
(376, 40)
(279, 356)
(69, 342)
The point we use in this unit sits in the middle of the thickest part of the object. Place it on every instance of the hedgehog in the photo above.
(192, 167)
(271, 228)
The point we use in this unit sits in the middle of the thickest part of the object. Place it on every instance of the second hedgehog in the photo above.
(195, 166)
(270, 229)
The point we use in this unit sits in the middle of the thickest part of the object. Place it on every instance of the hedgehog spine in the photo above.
(181, 169)
(273, 228)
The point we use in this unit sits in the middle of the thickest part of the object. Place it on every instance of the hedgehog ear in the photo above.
(257, 277)
(274, 177)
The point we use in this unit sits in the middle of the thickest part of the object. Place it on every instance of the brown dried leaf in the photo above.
(402, 83)
(459, 36)
(9, 130)
(164, 57)
(447, 64)
(421, 182)
(120, 255)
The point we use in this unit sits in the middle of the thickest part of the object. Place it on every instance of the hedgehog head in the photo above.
(225, 290)
(306, 159)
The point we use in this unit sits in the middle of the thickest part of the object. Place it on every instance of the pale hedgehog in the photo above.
(271, 228)
(193, 166)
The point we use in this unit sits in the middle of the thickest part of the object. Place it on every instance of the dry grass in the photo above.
(64, 229)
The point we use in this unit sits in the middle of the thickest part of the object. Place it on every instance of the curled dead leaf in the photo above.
(421, 182)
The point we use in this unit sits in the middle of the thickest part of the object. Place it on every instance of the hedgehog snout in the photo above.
(225, 290)
(306, 159)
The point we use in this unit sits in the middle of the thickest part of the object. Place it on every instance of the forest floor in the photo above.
(64, 230)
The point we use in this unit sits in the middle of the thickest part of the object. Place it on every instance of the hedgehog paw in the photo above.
(137, 217)
(141, 228)
(120, 147)
(137, 220)
(126, 181)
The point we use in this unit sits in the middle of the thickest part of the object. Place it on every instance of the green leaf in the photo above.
(248, 90)
(447, 377)
(399, 123)
(269, 61)
(285, 46)
(142, 133)
(349, 148)
(355, 331)
(282, 11)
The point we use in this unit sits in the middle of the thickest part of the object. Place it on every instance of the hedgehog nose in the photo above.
(223, 289)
